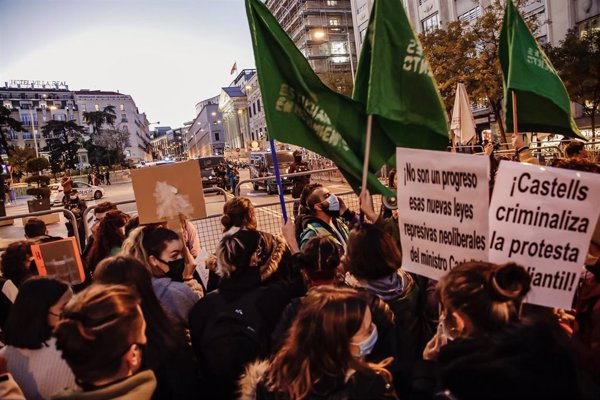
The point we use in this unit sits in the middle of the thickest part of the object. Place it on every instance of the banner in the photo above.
(543, 218)
(442, 210)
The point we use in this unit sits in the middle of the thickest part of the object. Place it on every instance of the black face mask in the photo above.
(176, 268)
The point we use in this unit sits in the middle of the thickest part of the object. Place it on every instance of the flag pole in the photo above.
(367, 153)
(278, 179)
(514, 112)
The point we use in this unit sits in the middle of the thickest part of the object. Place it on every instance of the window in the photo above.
(331, 3)
(254, 108)
(97, 107)
(249, 111)
(471, 16)
(8, 104)
(431, 23)
(334, 21)
(123, 117)
(217, 136)
(589, 25)
(83, 108)
(338, 48)
(258, 104)
(122, 107)
(72, 117)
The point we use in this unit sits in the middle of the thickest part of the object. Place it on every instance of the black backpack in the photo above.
(234, 335)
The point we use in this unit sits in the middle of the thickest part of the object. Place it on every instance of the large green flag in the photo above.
(300, 109)
(542, 101)
(395, 83)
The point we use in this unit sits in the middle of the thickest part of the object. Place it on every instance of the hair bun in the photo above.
(510, 282)
(226, 221)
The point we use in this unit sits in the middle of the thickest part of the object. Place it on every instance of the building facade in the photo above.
(233, 105)
(129, 119)
(256, 115)
(321, 29)
(206, 136)
(554, 19)
(34, 103)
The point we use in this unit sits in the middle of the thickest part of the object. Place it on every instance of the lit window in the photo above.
(97, 107)
(334, 21)
(338, 48)
(122, 107)
(431, 23)
(331, 3)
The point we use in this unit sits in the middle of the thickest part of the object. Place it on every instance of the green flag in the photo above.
(542, 101)
(300, 109)
(395, 83)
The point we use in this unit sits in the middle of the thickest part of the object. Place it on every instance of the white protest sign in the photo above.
(543, 219)
(442, 209)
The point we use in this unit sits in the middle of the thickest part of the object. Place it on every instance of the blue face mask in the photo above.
(334, 203)
(366, 346)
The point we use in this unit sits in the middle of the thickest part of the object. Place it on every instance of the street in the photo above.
(124, 192)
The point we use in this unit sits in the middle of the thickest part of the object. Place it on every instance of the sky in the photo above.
(167, 54)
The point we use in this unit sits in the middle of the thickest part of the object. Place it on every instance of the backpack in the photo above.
(234, 335)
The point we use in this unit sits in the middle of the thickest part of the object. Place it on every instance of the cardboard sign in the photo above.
(162, 192)
(59, 259)
(442, 209)
(543, 218)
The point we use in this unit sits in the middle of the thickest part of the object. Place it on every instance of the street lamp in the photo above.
(319, 34)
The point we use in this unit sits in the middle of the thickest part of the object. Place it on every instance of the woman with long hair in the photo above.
(31, 352)
(166, 352)
(324, 354)
(108, 237)
(275, 261)
(164, 256)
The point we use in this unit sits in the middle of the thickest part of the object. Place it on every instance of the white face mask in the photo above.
(366, 346)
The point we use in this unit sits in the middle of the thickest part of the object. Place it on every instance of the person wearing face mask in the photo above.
(101, 334)
(324, 216)
(231, 326)
(323, 355)
(162, 252)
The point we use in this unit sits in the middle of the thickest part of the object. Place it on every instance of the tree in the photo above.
(19, 158)
(115, 141)
(577, 60)
(35, 166)
(474, 59)
(451, 54)
(64, 138)
(96, 119)
(7, 123)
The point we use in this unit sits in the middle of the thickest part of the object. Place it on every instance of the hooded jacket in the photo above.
(140, 386)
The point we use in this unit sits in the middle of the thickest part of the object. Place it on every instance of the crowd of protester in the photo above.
(322, 311)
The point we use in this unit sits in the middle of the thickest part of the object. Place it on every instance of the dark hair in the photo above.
(156, 238)
(131, 225)
(490, 295)
(577, 164)
(164, 336)
(35, 227)
(27, 324)
(371, 253)
(306, 193)
(239, 212)
(574, 148)
(107, 236)
(391, 178)
(319, 259)
(103, 207)
(316, 354)
(13, 264)
(97, 327)
(235, 251)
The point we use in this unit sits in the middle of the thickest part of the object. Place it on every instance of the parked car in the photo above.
(207, 169)
(261, 164)
(85, 191)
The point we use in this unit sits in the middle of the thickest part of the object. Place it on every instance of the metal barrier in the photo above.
(67, 213)
(86, 220)
(272, 177)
